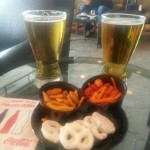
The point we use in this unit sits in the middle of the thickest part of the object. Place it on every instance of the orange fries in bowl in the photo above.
(60, 96)
(104, 90)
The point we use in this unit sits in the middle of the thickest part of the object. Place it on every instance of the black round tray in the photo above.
(117, 114)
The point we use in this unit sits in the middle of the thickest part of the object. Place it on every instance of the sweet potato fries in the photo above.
(101, 93)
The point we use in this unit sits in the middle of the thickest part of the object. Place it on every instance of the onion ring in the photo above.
(76, 136)
(88, 122)
(98, 133)
(103, 123)
(50, 130)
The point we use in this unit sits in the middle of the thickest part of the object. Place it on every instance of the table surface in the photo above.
(136, 103)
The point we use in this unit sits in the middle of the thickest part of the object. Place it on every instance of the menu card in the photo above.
(15, 124)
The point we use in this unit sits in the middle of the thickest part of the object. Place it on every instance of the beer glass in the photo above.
(45, 31)
(120, 35)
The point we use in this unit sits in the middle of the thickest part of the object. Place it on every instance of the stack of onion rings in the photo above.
(79, 134)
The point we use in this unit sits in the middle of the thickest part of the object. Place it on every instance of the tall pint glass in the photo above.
(120, 35)
(45, 31)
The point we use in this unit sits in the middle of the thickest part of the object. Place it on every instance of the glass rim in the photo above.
(28, 14)
(107, 16)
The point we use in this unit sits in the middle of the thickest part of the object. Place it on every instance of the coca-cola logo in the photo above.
(18, 142)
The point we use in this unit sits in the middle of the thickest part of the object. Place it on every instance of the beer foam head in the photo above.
(44, 16)
(122, 19)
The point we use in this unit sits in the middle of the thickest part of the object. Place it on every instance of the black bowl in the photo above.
(106, 79)
(57, 84)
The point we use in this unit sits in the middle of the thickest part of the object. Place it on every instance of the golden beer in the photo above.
(120, 36)
(46, 33)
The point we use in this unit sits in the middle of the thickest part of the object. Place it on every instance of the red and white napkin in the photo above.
(15, 124)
